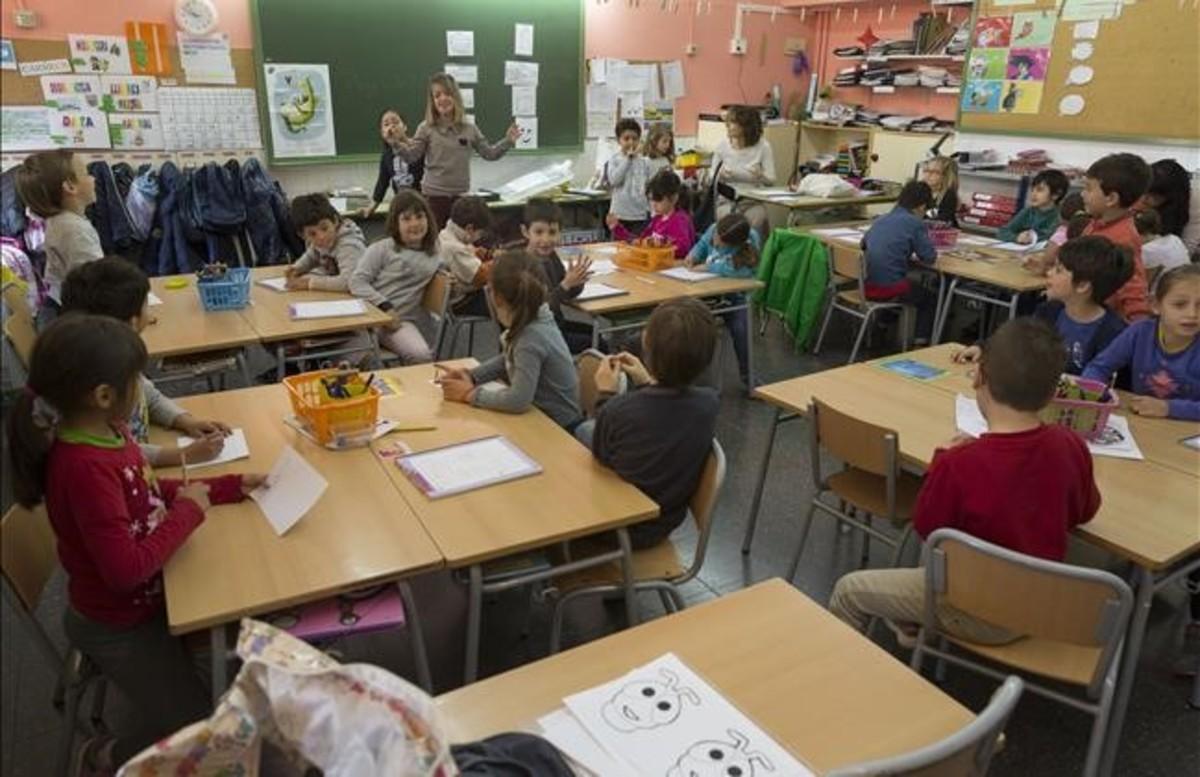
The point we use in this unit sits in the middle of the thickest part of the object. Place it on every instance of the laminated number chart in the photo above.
(209, 119)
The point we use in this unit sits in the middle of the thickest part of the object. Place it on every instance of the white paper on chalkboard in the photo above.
(460, 43)
(523, 40)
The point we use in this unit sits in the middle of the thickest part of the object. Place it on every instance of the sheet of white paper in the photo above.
(235, 448)
(26, 128)
(674, 86)
(75, 92)
(43, 67)
(600, 124)
(99, 53)
(593, 290)
(206, 58)
(1117, 441)
(339, 204)
(967, 417)
(524, 101)
(129, 93)
(523, 40)
(468, 98)
(292, 489)
(1087, 30)
(1019, 247)
(136, 131)
(663, 718)
(471, 465)
(600, 98)
(632, 105)
(688, 276)
(520, 73)
(300, 104)
(153, 299)
(462, 74)
(330, 309)
(603, 266)
(274, 284)
(564, 731)
(85, 128)
(460, 43)
(598, 70)
(529, 132)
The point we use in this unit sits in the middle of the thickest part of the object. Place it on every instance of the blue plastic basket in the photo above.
(229, 293)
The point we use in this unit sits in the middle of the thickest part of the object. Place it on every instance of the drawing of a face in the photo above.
(715, 758)
(646, 704)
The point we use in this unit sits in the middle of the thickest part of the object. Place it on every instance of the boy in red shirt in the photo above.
(1111, 186)
(1022, 485)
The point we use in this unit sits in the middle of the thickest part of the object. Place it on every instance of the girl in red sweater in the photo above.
(116, 524)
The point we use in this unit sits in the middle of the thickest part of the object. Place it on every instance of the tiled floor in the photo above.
(1044, 739)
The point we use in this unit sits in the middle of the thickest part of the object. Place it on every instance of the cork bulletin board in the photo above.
(1144, 74)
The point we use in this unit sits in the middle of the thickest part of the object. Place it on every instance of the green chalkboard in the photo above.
(381, 53)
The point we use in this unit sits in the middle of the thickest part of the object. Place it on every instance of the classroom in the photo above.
(600, 387)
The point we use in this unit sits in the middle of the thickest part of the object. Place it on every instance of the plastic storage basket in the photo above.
(231, 292)
(1082, 405)
(647, 258)
(942, 234)
(331, 419)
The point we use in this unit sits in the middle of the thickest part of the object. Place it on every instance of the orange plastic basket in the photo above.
(647, 258)
(328, 418)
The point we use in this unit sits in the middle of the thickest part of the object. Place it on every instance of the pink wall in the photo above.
(835, 32)
(613, 29)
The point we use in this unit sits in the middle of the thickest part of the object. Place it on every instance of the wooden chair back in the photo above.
(436, 300)
(27, 553)
(19, 326)
(704, 499)
(586, 364)
(859, 444)
(845, 263)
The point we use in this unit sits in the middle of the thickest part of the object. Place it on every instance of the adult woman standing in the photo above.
(444, 140)
(394, 170)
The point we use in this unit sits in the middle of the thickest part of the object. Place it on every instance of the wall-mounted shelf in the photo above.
(891, 88)
(909, 57)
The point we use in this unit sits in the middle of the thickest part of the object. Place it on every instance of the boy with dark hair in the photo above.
(1022, 485)
(115, 288)
(333, 246)
(1038, 220)
(469, 221)
(542, 230)
(890, 242)
(657, 436)
(625, 175)
(1110, 188)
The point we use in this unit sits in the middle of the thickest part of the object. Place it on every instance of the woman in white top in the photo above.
(744, 158)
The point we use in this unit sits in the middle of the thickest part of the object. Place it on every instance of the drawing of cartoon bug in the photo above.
(646, 704)
(716, 758)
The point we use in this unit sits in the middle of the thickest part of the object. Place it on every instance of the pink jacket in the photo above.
(676, 228)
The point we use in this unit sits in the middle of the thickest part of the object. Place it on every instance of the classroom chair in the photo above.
(28, 559)
(19, 326)
(659, 568)
(1074, 621)
(586, 365)
(965, 753)
(871, 482)
(848, 269)
(212, 368)
(437, 303)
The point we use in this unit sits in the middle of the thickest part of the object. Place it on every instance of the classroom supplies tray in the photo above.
(943, 235)
(229, 292)
(331, 418)
(1082, 405)
(645, 257)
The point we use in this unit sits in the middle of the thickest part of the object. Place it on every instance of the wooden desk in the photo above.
(574, 496)
(823, 691)
(235, 565)
(271, 319)
(1148, 509)
(183, 327)
(806, 204)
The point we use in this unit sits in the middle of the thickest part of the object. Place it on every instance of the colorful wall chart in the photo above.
(1010, 57)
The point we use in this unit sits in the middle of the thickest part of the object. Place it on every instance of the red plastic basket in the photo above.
(943, 235)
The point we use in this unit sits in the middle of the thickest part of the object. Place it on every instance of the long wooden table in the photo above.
(574, 496)
(1148, 514)
(234, 564)
(183, 327)
(822, 690)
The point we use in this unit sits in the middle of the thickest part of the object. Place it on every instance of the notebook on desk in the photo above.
(688, 276)
(278, 283)
(331, 309)
(599, 291)
(454, 469)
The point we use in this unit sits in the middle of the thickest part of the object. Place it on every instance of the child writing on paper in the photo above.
(941, 173)
(1110, 188)
(1038, 220)
(394, 271)
(534, 364)
(444, 141)
(1162, 353)
(57, 186)
(658, 435)
(115, 523)
(730, 248)
(625, 175)
(395, 172)
(1022, 485)
(116, 288)
(891, 241)
(659, 149)
(470, 219)
(332, 246)
(671, 225)
(543, 231)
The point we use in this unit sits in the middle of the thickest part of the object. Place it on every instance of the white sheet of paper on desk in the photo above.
(331, 309)
(153, 299)
(686, 275)
(1019, 247)
(976, 240)
(968, 418)
(292, 489)
(235, 448)
(565, 732)
(603, 266)
(523, 40)
(460, 43)
(1117, 441)
(663, 718)
(593, 290)
(278, 283)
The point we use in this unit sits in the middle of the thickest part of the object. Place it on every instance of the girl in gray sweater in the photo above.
(534, 365)
(393, 273)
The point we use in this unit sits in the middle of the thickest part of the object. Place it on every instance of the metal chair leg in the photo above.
(667, 603)
(804, 527)
(825, 324)
(865, 558)
(862, 330)
(898, 553)
(416, 637)
(762, 477)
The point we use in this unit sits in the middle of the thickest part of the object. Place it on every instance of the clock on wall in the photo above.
(196, 17)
